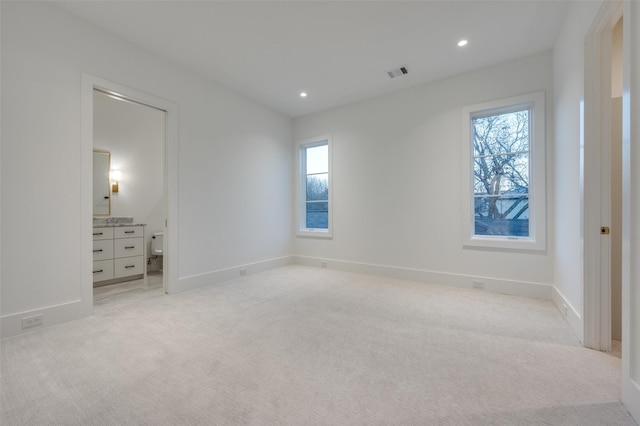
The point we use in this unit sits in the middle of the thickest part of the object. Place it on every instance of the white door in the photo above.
(631, 210)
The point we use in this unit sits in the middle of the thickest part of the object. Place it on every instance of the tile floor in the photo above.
(142, 288)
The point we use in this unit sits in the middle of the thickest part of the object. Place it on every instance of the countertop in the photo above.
(116, 225)
(111, 222)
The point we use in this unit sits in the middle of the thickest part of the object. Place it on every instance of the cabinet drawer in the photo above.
(127, 247)
(128, 232)
(102, 233)
(102, 249)
(128, 266)
(102, 270)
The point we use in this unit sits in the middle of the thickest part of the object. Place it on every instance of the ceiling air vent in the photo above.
(397, 72)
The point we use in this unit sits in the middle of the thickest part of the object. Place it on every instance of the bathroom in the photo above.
(129, 191)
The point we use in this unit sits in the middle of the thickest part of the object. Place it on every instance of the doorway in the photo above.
(170, 181)
(602, 182)
(133, 134)
(597, 127)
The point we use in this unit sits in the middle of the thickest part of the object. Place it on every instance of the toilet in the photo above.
(157, 244)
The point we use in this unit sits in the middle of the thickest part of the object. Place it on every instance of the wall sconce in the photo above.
(116, 175)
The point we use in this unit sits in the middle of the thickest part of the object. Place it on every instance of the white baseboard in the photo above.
(573, 318)
(201, 280)
(11, 325)
(495, 285)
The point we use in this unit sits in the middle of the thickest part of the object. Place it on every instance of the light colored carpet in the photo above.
(307, 346)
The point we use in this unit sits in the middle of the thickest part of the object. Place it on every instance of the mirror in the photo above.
(101, 189)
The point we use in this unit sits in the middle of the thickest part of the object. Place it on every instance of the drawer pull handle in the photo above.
(97, 251)
(130, 266)
(130, 247)
(129, 232)
(98, 233)
(101, 270)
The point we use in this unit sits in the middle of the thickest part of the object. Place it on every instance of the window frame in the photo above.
(536, 241)
(300, 189)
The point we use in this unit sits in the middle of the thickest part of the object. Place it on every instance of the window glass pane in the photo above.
(505, 174)
(314, 186)
(318, 187)
(501, 215)
(317, 215)
(501, 134)
(501, 174)
(318, 159)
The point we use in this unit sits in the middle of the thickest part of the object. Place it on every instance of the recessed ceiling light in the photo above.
(462, 43)
(303, 94)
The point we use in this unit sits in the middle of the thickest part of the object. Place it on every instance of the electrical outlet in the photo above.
(323, 264)
(243, 271)
(32, 321)
(477, 284)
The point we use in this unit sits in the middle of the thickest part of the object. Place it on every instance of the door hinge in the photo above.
(604, 230)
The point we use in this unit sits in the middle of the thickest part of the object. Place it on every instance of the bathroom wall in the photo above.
(135, 136)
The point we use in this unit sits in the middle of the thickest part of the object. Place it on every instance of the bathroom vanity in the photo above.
(118, 252)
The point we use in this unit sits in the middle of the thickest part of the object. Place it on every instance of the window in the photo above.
(504, 158)
(314, 187)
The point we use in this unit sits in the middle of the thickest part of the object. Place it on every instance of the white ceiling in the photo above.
(338, 52)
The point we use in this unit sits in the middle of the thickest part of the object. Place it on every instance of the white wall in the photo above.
(616, 61)
(616, 181)
(234, 162)
(616, 218)
(134, 134)
(1, 180)
(568, 73)
(397, 163)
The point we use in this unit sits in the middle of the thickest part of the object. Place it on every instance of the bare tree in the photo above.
(317, 187)
(501, 165)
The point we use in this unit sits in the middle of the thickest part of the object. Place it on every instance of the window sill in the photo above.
(310, 233)
(504, 244)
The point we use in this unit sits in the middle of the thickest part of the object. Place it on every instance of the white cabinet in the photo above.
(118, 254)
(127, 247)
(102, 250)
(128, 266)
(128, 232)
(102, 270)
(102, 234)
